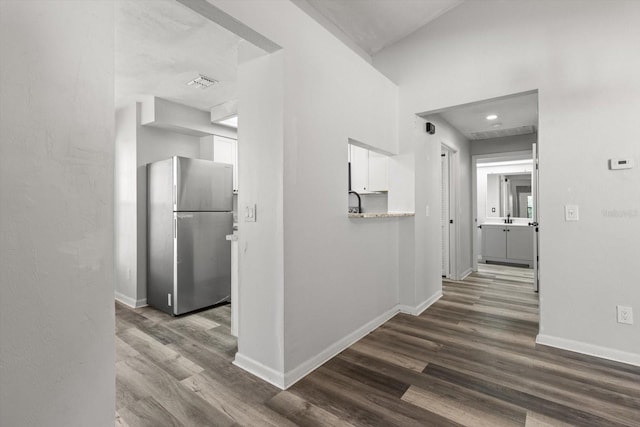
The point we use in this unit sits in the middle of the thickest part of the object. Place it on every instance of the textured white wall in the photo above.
(588, 113)
(56, 214)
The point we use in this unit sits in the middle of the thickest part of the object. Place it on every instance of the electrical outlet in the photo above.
(625, 314)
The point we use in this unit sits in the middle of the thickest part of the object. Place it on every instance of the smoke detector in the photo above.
(202, 82)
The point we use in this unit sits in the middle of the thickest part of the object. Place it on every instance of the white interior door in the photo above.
(444, 161)
(534, 219)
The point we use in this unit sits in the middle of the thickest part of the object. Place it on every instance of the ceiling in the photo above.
(160, 45)
(376, 24)
(517, 115)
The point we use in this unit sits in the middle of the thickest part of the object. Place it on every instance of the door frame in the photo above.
(481, 158)
(535, 187)
(454, 209)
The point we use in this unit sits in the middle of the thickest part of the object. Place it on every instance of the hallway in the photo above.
(469, 359)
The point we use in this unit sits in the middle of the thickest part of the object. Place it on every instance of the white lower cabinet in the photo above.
(507, 243)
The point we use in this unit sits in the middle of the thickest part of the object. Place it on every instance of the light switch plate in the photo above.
(571, 213)
(250, 213)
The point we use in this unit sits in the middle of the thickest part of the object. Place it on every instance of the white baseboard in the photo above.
(311, 364)
(128, 301)
(286, 380)
(466, 273)
(589, 349)
(259, 370)
(417, 310)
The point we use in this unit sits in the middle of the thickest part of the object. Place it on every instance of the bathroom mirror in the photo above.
(509, 194)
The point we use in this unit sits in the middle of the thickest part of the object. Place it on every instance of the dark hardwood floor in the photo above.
(470, 359)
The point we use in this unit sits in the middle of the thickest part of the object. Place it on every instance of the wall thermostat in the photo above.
(615, 164)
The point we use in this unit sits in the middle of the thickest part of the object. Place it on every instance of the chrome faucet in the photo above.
(508, 220)
(359, 208)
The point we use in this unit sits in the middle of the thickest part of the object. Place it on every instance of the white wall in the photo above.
(137, 145)
(588, 108)
(56, 214)
(126, 206)
(339, 274)
(261, 271)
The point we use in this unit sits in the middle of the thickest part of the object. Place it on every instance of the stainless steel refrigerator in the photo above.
(189, 216)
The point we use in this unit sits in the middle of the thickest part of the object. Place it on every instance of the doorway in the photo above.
(173, 100)
(504, 202)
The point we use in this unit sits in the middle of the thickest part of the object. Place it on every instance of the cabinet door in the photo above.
(378, 172)
(225, 150)
(359, 169)
(520, 243)
(494, 242)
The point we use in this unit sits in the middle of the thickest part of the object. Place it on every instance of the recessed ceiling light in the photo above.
(492, 116)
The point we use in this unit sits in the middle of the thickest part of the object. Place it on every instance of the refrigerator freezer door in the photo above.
(203, 185)
(203, 260)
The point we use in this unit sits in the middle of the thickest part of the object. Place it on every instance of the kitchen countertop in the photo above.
(381, 214)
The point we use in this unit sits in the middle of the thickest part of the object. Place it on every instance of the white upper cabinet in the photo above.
(378, 172)
(369, 170)
(359, 169)
(225, 150)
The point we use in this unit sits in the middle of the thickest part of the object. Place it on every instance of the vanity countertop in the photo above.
(381, 214)
(496, 224)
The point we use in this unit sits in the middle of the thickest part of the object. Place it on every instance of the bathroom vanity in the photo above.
(508, 243)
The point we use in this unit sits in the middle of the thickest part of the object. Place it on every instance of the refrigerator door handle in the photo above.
(175, 228)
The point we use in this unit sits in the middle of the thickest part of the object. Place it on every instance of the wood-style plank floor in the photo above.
(470, 359)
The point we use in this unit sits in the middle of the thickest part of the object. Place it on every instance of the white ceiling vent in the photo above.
(202, 82)
(501, 133)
